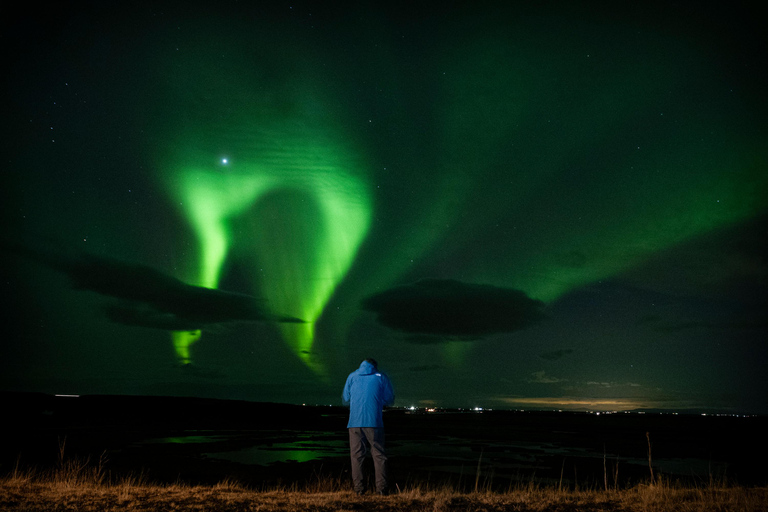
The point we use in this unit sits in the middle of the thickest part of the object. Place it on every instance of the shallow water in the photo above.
(445, 454)
(205, 441)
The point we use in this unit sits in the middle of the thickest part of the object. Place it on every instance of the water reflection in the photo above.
(305, 448)
(199, 439)
(261, 447)
(444, 453)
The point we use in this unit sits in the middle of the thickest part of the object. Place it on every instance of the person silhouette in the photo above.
(368, 391)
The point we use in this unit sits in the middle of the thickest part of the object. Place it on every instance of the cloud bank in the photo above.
(446, 307)
(555, 355)
(146, 297)
(541, 377)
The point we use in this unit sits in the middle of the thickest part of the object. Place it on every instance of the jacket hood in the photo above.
(366, 368)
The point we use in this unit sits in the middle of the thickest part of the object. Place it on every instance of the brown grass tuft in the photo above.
(32, 492)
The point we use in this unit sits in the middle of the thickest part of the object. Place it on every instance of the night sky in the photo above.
(556, 205)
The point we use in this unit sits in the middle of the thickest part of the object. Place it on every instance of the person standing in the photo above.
(367, 391)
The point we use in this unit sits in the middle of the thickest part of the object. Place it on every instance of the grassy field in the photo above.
(78, 486)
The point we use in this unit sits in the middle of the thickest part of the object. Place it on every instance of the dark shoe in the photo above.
(384, 492)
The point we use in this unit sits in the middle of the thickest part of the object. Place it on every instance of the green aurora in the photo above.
(650, 190)
(311, 158)
(238, 153)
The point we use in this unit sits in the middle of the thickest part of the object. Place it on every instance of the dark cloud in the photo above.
(749, 318)
(143, 315)
(541, 377)
(149, 298)
(425, 368)
(424, 339)
(431, 339)
(202, 373)
(554, 355)
(445, 307)
(730, 261)
(672, 327)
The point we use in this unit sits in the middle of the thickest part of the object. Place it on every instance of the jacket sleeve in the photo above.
(345, 395)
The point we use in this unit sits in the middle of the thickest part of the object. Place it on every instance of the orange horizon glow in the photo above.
(571, 403)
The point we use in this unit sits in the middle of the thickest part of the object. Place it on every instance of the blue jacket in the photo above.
(367, 391)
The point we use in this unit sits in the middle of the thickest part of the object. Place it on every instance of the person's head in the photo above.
(373, 362)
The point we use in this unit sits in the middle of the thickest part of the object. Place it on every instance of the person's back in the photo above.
(367, 391)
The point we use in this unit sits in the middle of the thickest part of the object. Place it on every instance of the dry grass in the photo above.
(85, 485)
(76, 487)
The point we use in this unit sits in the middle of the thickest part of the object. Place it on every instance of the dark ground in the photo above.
(187, 439)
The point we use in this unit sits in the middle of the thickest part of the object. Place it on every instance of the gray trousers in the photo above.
(361, 440)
